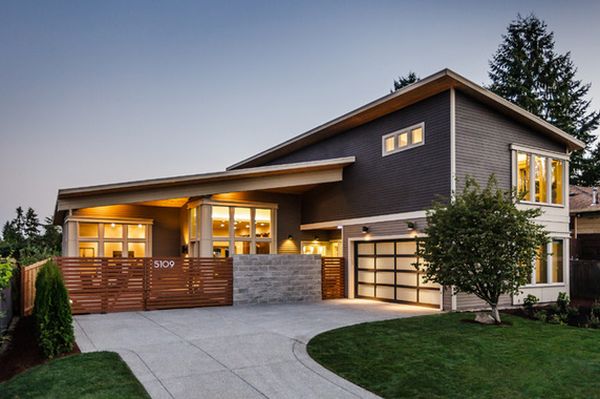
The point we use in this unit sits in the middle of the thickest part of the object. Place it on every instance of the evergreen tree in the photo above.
(31, 229)
(527, 71)
(404, 81)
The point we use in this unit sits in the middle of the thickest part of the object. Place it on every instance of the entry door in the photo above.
(384, 270)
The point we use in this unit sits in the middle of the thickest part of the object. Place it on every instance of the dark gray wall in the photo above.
(483, 139)
(376, 185)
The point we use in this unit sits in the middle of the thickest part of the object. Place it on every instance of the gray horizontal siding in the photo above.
(483, 139)
(471, 302)
(376, 185)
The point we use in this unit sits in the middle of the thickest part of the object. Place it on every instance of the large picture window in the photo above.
(113, 239)
(540, 179)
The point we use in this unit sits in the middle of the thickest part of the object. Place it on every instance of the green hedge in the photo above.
(52, 312)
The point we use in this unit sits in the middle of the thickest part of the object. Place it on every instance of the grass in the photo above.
(442, 356)
(89, 375)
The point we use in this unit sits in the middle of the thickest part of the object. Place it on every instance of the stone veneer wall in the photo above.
(276, 279)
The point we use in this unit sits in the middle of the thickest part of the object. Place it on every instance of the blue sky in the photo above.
(99, 92)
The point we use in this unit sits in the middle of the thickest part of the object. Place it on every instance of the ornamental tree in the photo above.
(481, 243)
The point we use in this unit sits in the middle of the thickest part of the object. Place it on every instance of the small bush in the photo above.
(540, 315)
(529, 303)
(562, 302)
(594, 319)
(52, 312)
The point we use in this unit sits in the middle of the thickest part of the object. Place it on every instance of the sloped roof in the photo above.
(580, 200)
(424, 88)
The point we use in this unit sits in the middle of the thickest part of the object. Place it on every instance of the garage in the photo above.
(384, 270)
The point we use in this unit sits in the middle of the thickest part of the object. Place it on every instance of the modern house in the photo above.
(356, 187)
(585, 223)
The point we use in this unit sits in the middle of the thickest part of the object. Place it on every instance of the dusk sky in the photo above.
(108, 91)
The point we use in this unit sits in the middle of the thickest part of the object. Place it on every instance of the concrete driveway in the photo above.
(232, 352)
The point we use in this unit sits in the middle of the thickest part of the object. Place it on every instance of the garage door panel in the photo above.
(385, 263)
(366, 277)
(406, 294)
(366, 263)
(384, 248)
(384, 292)
(406, 263)
(366, 290)
(406, 279)
(365, 248)
(385, 277)
(406, 247)
(431, 297)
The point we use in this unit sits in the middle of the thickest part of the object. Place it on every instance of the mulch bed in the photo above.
(23, 351)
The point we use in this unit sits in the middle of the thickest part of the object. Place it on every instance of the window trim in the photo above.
(549, 255)
(396, 133)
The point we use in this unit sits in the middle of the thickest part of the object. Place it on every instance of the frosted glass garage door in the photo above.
(385, 270)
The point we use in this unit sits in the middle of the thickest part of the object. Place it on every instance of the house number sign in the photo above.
(164, 264)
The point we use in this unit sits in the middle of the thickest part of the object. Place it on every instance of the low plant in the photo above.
(7, 267)
(528, 303)
(540, 315)
(594, 318)
(52, 312)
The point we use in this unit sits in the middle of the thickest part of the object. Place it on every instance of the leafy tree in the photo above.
(481, 243)
(527, 70)
(23, 240)
(404, 81)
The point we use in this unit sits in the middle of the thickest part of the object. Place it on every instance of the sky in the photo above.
(96, 92)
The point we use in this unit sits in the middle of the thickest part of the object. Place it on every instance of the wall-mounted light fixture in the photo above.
(316, 238)
(365, 229)
(184, 249)
(290, 237)
(339, 227)
(411, 225)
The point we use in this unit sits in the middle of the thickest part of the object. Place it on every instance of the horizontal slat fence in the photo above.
(332, 278)
(585, 279)
(104, 285)
(28, 277)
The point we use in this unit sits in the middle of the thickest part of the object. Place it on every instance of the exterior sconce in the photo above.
(411, 226)
(184, 249)
(365, 230)
(316, 238)
(289, 237)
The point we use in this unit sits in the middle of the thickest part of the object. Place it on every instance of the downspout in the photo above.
(454, 304)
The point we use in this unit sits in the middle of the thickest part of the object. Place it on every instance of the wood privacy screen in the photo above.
(585, 279)
(332, 278)
(28, 278)
(102, 285)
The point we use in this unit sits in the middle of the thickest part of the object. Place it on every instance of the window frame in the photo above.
(549, 265)
(124, 240)
(396, 135)
(549, 156)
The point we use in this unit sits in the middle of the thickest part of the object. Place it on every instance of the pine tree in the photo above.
(31, 228)
(404, 81)
(527, 71)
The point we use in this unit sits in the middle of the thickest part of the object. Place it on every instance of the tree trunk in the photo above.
(495, 313)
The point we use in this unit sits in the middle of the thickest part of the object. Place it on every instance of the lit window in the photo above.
(541, 266)
(220, 221)
(541, 179)
(221, 249)
(242, 247)
(557, 261)
(136, 249)
(113, 230)
(88, 249)
(523, 175)
(390, 144)
(88, 230)
(136, 231)
(193, 223)
(416, 135)
(403, 139)
(241, 221)
(557, 181)
(263, 248)
(263, 223)
(113, 249)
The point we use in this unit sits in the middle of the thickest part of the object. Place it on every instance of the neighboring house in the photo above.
(585, 223)
(357, 186)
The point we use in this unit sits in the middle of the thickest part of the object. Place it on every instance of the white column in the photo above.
(71, 248)
(205, 230)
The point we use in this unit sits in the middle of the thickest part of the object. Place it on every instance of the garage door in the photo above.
(384, 270)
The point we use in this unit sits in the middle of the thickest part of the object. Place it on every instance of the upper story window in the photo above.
(403, 139)
(540, 177)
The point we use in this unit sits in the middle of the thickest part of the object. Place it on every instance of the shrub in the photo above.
(563, 302)
(529, 303)
(52, 312)
(540, 315)
(594, 320)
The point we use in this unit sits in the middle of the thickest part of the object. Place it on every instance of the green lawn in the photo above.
(89, 375)
(440, 356)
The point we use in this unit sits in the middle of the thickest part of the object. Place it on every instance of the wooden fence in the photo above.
(103, 285)
(585, 279)
(28, 278)
(332, 278)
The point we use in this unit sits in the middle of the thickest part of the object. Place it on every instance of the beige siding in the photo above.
(470, 302)
(588, 225)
